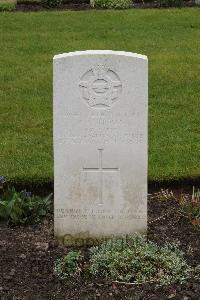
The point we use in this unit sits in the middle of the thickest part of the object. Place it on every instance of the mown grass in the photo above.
(171, 40)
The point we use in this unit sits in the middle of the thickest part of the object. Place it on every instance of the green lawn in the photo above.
(28, 41)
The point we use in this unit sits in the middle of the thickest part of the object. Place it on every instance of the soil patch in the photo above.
(27, 255)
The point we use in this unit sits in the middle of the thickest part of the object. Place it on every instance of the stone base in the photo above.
(85, 240)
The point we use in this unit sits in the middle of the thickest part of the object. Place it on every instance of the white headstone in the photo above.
(100, 144)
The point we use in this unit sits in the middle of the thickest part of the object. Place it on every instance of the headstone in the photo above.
(100, 144)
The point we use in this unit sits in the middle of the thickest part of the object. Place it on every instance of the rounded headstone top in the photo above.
(100, 52)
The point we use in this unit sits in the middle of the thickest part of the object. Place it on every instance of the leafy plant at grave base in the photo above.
(7, 6)
(163, 195)
(22, 207)
(136, 260)
(197, 2)
(69, 265)
(171, 3)
(51, 3)
(191, 206)
(116, 4)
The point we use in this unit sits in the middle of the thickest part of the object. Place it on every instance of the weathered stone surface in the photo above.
(100, 144)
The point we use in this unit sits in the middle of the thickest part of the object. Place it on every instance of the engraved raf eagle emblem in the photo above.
(100, 87)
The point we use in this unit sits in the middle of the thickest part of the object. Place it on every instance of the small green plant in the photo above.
(163, 195)
(7, 6)
(191, 205)
(69, 265)
(22, 207)
(51, 3)
(136, 260)
(112, 4)
(197, 2)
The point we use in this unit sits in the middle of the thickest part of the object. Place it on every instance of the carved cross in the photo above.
(100, 169)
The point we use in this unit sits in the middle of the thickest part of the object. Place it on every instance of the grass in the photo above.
(7, 6)
(169, 37)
